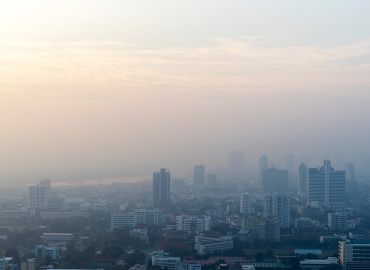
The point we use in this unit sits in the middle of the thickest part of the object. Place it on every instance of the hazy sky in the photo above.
(98, 89)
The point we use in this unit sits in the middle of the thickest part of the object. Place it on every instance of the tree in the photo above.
(269, 253)
(311, 256)
(112, 252)
(12, 252)
(259, 256)
(134, 257)
(48, 260)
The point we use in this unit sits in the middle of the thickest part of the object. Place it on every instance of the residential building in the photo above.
(277, 204)
(211, 181)
(205, 245)
(326, 187)
(275, 180)
(337, 221)
(47, 183)
(302, 180)
(120, 220)
(38, 196)
(263, 165)
(183, 223)
(31, 264)
(149, 217)
(42, 251)
(141, 233)
(354, 254)
(236, 164)
(169, 262)
(303, 223)
(350, 172)
(253, 225)
(246, 204)
(217, 213)
(203, 223)
(270, 229)
(318, 264)
(161, 188)
(199, 175)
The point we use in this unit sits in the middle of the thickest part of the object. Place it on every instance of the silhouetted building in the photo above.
(302, 180)
(326, 187)
(38, 196)
(199, 175)
(161, 188)
(277, 204)
(264, 162)
(236, 164)
(350, 172)
(211, 181)
(289, 163)
(275, 180)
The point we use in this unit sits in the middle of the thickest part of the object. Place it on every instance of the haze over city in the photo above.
(98, 90)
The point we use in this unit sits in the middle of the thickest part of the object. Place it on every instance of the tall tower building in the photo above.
(326, 187)
(38, 196)
(211, 181)
(350, 172)
(199, 175)
(47, 182)
(236, 164)
(289, 163)
(275, 180)
(277, 204)
(264, 162)
(245, 204)
(161, 188)
(302, 179)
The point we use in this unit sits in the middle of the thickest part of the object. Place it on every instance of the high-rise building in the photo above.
(38, 196)
(203, 223)
(326, 187)
(183, 223)
(161, 188)
(337, 221)
(47, 182)
(354, 254)
(264, 162)
(277, 204)
(289, 164)
(236, 164)
(302, 179)
(275, 180)
(262, 228)
(350, 172)
(245, 204)
(199, 175)
(211, 181)
(149, 217)
(121, 220)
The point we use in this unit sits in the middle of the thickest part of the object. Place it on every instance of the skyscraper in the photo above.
(302, 179)
(350, 172)
(264, 162)
(289, 163)
(275, 180)
(47, 182)
(236, 164)
(199, 175)
(161, 187)
(278, 205)
(38, 196)
(326, 187)
(245, 204)
(211, 181)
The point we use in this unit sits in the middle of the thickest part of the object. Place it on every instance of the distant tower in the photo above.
(211, 181)
(302, 179)
(199, 175)
(350, 172)
(38, 196)
(161, 187)
(236, 164)
(326, 187)
(289, 163)
(47, 182)
(263, 166)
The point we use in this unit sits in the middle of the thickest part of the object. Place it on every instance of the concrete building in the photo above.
(350, 172)
(318, 264)
(303, 223)
(302, 180)
(246, 204)
(141, 233)
(211, 181)
(275, 180)
(161, 188)
(120, 220)
(199, 175)
(38, 196)
(337, 221)
(270, 229)
(31, 264)
(277, 204)
(149, 217)
(57, 237)
(42, 251)
(354, 254)
(203, 223)
(47, 182)
(168, 262)
(183, 223)
(263, 165)
(63, 214)
(204, 245)
(326, 187)
(236, 164)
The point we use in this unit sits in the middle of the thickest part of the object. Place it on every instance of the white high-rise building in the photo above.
(120, 220)
(350, 172)
(246, 204)
(38, 196)
(203, 223)
(47, 182)
(149, 217)
(183, 223)
(277, 204)
(337, 221)
(326, 187)
(264, 162)
(211, 181)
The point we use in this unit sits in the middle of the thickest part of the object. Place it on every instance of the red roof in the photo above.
(182, 245)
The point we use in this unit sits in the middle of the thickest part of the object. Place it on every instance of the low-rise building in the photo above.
(31, 264)
(140, 233)
(42, 251)
(318, 264)
(354, 254)
(120, 220)
(303, 223)
(205, 245)
(63, 214)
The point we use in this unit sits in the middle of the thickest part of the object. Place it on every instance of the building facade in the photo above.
(211, 181)
(302, 179)
(199, 175)
(38, 196)
(350, 172)
(149, 217)
(203, 223)
(161, 188)
(246, 204)
(337, 221)
(277, 204)
(354, 254)
(183, 223)
(120, 220)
